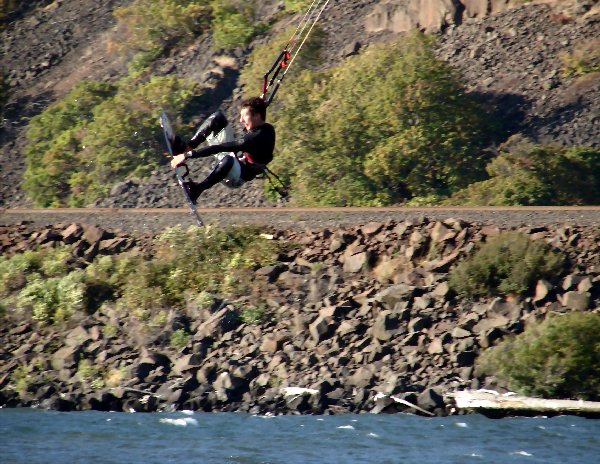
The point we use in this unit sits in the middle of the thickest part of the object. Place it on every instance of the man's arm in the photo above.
(214, 149)
(208, 151)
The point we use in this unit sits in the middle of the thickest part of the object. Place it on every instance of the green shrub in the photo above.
(558, 358)
(537, 175)
(382, 127)
(97, 135)
(194, 261)
(216, 254)
(179, 339)
(253, 314)
(87, 371)
(91, 374)
(16, 271)
(112, 270)
(510, 263)
(197, 262)
(233, 23)
(142, 293)
(21, 379)
(56, 261)
(53, 299)
(203, 299)
(54, 142)
(152, 26)
(583, 59)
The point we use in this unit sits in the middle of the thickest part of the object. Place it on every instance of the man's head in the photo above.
(253, 113)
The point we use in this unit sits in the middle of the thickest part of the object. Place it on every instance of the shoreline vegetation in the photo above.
(380, 317)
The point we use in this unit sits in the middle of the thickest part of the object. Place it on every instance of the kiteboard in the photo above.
(181, 172)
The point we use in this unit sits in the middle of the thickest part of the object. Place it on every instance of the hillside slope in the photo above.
(511, 58)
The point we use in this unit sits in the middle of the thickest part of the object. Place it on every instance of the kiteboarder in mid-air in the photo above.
(241, 161)
(237, 161)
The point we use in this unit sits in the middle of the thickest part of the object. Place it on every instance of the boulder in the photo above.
(356, 262)
(322, 328)
(508, 309)
(464, 358)
(543, 289)
(94, 234)
(578, 301)
(187, 363)
(223, 321)
(362, 377)
(270, 272)
(490, 323)
(66, 357)
(440, 233)
(436, 346)
(419, 323)
(394, 294)
(430, 399)
(397, 17)
(227, 386)
(272, 343)
(72, 234)
(386, 326)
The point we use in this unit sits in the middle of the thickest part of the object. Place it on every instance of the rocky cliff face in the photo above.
(508, 53)
(354, 318)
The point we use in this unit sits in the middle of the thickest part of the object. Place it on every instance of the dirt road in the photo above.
(157, 219)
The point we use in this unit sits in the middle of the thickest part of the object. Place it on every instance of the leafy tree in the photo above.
(508, 263)
(383, 127)
(537, 175)
(54, 141)
(97, 135)
(122, 139)
(233, 23)
(558, 358)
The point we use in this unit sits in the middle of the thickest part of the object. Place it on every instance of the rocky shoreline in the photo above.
(358, 319)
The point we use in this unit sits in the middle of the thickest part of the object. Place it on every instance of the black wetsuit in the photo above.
(257, 147)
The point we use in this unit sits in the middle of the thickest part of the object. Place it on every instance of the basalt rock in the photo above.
(345, 335)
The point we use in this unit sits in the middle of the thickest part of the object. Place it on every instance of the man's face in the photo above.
(248, 120)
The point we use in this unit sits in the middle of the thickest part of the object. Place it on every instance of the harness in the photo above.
(262, 171)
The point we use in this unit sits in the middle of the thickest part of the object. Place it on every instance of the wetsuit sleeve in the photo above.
(214, 149)
(259, 144)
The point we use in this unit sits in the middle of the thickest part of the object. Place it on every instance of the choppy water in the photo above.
(34, 436)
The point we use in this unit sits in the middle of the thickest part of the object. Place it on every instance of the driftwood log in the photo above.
(494, 404)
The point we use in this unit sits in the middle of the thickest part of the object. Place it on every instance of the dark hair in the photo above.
(256, 105)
